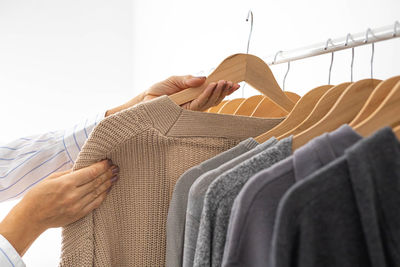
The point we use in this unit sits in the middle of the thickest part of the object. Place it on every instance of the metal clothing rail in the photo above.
(333, 45)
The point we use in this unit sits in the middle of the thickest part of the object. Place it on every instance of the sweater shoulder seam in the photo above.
(172, 124)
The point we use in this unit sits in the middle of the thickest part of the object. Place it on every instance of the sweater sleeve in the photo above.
(26, 161)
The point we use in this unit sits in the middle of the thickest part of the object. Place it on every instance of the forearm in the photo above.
(19, 230)
(26, 161)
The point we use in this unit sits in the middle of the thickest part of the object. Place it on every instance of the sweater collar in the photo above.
(172, 120)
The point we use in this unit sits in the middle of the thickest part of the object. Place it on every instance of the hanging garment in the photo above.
(177, 207)
(253, 213)
(219, 200)
(345, 214)
(153, 144)
(196, 199)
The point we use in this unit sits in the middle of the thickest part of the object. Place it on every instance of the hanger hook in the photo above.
(249, 15)
(287, 71)
(276, 55)
(396, 23)
(284, 78)
(349, 36)
(373, 49)
(329, 41)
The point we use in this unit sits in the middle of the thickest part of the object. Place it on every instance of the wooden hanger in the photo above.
(215, 109)
(343, 111)
(297, 115)
(292, 96)
(247, 106)
(268, 109)
(238, 68)
(322, 107)
(231, 106)
(375, 99)
(387, 114)
(396, 131)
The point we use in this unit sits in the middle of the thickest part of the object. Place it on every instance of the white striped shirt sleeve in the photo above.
(8, 255)
(28, 160)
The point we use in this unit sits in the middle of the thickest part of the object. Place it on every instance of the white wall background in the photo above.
(61, 61)
(182, 37)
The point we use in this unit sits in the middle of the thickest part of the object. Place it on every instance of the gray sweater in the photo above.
(253, 213)
(177, 207)
(219, 200)
(196, 199)
(345, 214)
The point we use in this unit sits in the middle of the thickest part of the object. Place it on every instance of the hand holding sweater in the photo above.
(58, 200)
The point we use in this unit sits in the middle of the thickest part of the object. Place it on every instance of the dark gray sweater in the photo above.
(253, 214)
(345, 214)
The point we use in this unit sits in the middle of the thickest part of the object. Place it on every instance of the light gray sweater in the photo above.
(177, 207)
(219, 200)
(196, 199)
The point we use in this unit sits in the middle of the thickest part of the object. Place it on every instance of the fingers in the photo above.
(216, 94)
(212, 95)
(187, 81)
(200, 102)
(95, 203)
(234, 88)
(85, 175)
(105, 179)
(194, 81)
(224, 93)
(95, 197)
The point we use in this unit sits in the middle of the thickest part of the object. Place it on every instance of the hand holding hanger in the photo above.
(212, 95)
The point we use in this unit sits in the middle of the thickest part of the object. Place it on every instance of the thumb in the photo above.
(188, 81)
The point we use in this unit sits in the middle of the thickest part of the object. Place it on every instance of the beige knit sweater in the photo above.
(153, 144)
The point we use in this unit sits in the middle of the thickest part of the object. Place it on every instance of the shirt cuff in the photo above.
(8, 255)
(75, 137)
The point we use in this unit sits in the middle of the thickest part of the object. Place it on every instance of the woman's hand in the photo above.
(58, 200)
(211, 96)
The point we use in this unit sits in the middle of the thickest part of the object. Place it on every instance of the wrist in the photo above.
(20, 230)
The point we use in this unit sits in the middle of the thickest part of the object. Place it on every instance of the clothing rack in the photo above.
(332, 45)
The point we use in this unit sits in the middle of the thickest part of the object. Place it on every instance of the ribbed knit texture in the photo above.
(177, 207)
(219, 200)
(153, 144)
(198, 192)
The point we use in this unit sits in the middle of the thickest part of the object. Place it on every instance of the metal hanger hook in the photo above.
(287, 71)
(284, 78)
(249, 15)
(396, 23)
(329, 41)
(276, 55)
(349, 36)
(369, 31)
